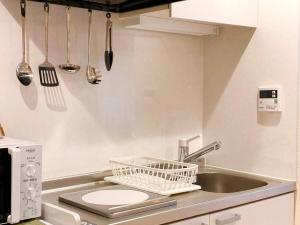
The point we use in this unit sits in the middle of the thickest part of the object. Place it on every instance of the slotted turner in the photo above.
(47, 71)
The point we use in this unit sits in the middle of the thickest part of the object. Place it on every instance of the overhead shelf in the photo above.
(152, 23)
(110, 5)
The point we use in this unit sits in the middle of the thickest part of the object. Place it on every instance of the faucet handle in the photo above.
(185, 143)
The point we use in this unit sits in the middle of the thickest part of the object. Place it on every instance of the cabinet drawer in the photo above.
(274, 211)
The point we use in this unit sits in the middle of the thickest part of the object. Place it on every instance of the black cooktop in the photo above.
(110, 5)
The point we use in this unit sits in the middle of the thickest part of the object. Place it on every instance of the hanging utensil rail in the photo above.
(113, 6)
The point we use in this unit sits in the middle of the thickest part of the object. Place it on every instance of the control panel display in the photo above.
(269, 100)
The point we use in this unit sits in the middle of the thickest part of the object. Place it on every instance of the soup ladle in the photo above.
(69, 67)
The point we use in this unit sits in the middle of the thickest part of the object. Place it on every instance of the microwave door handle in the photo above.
(14, 216)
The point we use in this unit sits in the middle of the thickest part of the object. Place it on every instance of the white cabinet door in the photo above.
(274, 211)
(233, 12)
(200, 220)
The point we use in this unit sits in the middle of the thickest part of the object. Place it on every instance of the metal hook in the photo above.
(23, 6)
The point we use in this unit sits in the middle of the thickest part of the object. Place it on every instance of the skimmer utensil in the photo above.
(47, 71)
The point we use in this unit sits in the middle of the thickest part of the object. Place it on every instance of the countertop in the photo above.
(191, 204)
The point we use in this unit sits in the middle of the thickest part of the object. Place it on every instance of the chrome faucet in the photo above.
(183, 150)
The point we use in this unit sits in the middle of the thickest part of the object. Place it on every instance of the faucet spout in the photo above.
(203, 151)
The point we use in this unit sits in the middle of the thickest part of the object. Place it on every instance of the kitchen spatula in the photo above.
(47, 71)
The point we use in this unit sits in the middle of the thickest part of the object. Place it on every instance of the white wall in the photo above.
(236, 64)
(154, 94)
(297, 203)
(151, 98)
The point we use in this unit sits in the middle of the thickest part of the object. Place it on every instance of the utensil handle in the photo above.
(89, 35)
(68, 9)
(46, 10)
(228, 220)
(23, 13)
(108, 43)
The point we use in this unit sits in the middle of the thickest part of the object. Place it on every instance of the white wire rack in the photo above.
(155, 175)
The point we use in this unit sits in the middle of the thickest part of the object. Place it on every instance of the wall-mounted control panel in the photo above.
(269, 99)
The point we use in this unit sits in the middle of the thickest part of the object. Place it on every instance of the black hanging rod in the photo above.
(110, 5)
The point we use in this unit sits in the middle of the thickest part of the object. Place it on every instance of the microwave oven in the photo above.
(20, 180)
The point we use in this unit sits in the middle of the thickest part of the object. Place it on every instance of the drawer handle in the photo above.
(228, 220)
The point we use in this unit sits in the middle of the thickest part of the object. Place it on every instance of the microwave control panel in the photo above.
(31, 181)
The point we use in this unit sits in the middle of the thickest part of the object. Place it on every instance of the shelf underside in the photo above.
(110, 5)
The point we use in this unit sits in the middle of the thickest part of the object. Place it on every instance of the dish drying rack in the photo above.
(163, 177)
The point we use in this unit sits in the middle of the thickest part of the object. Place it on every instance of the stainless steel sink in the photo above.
(226, 183)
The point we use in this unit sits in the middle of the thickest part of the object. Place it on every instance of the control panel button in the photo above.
(30, 193)
(30, 170)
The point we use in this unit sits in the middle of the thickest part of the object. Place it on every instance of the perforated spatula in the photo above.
(47, 71)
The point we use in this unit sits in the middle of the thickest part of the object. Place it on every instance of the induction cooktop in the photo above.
(116, 200)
